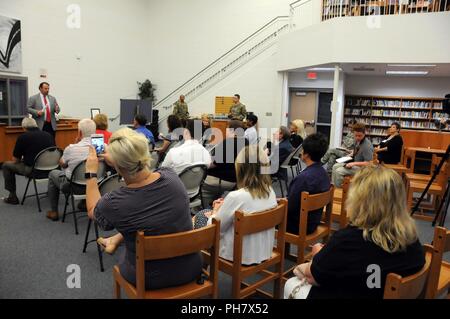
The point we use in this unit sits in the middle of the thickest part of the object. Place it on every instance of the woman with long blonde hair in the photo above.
(254, 194)
(146, 203)
(381, 238)
(298, 133)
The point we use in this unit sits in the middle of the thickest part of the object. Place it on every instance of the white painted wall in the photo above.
(432, 87)
(110, 43)
(408, 38)
(186, 36)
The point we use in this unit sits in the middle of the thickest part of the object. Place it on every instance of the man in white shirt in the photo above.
(73, 155)
(190, 153)
(251, 134)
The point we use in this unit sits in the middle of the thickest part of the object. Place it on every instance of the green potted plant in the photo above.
(146, 90)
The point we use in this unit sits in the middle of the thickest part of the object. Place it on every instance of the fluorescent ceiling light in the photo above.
(407, 72)
(322, 69)
(414, 65)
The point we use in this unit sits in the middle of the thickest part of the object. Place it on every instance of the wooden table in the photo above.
(66, 133)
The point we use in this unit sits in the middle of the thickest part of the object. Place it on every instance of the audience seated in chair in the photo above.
(101, 122)
(362, 156)
(254, 194)
(191, 152)
(282, 146)
(153, 202)
(348, 143)
(140, 121)
(206, 129)
(251, 133)
(28, 146)
(314, 179)
(390, 150)
(174, 125)
(381, 235)
(222, 174)
(73, 155)
(298, 133)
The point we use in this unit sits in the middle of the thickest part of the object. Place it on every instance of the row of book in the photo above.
(361, 112)
(439, 115)
(414, 124)
(378, 131)
(417, 104)
(353, 101)
(424, 115)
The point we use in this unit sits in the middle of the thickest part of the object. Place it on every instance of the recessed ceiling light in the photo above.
(407, 72)
(414, 65)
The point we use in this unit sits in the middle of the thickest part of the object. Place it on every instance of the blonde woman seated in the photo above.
(298, 133)
(254, 194)
(381, 239)
(146, 203)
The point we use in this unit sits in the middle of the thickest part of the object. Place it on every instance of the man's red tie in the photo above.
(48, 117)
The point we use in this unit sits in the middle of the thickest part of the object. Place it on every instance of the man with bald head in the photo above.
(180, 108)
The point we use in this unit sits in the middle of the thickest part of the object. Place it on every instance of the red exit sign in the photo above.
(311, 76)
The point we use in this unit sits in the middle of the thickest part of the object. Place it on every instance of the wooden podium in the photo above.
(66, 134)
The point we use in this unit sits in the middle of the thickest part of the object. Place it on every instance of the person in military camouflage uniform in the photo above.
(180, 108)
(237, 111)
(333, 154)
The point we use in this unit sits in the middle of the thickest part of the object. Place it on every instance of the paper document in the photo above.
(344, 159)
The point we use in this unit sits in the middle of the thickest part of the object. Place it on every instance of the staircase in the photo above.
(248, 49)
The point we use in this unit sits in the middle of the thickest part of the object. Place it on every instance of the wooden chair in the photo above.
(247, 224)
(339, 212)
(411, 287)
(425, 177)
(171, 246)
(437, 188)
(406, 164)
(439, 279)
(311, 203)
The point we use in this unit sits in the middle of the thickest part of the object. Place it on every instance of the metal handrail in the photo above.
(276, 19)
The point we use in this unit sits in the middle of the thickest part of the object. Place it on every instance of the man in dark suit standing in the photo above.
(43, 107)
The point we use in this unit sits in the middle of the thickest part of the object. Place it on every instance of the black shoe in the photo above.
(11, 200)
(82, 206)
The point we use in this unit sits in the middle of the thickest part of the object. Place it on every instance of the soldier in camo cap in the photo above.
(180, 108)
(237, 111)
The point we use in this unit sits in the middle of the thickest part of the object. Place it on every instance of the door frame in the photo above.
(309, 90)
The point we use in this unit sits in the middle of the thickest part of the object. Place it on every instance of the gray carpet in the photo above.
(35, 254)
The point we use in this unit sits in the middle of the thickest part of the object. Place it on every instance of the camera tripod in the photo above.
(441, 213)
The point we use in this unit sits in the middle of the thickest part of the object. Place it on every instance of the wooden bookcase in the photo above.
(379, 112)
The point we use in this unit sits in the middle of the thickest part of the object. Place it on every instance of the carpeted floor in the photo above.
(35, 254)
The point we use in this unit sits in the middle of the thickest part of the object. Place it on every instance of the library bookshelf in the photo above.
(379, 112)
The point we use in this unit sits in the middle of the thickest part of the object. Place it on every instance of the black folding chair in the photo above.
(46, 161)
(108, 185)
(77, 190)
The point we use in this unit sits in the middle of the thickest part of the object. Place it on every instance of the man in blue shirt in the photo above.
(139, 125)
(314, 179)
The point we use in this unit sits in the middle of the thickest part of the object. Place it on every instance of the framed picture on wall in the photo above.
(94, 112)
(10, 45)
